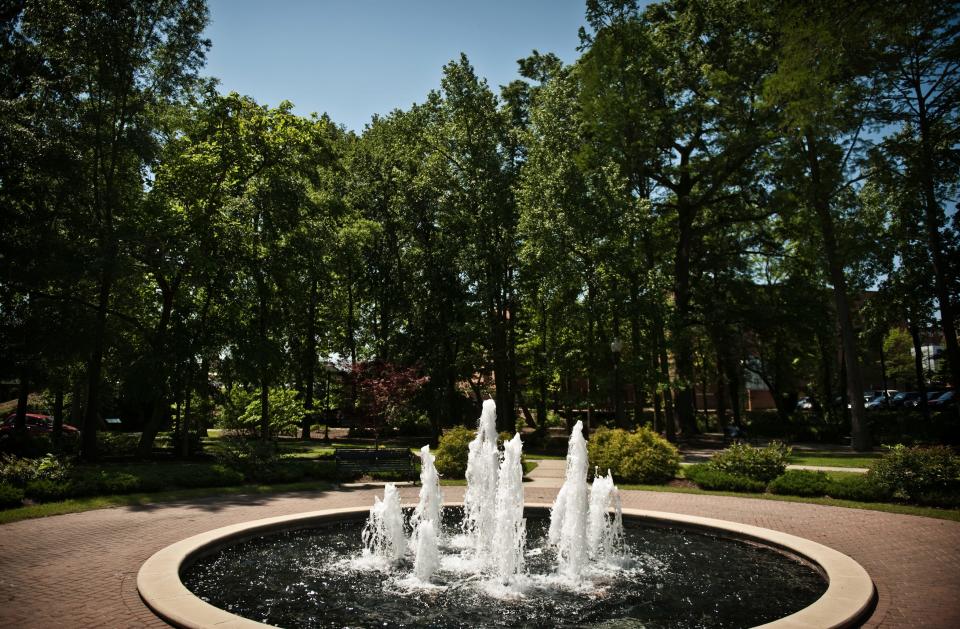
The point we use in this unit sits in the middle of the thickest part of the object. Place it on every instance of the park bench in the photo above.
(353, 461)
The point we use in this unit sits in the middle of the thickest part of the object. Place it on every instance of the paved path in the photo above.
(79, 570)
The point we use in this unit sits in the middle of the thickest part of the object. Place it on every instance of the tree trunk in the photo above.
(57, 432)
(918, 367)
(91, 416)
(860, 435)
(932, 221)
(23, 395)
(310, 362)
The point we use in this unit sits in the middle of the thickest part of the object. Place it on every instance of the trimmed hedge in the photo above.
(10, 496)
(641, 457)
(708, 477)
(800, 483)
(859, 487)
(759, 464)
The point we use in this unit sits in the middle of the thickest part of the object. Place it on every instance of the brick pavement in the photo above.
(79, 570)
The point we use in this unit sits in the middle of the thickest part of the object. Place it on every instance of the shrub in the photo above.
(10, 496)
(909, 473)
(16, 471)
(860, 487)
(254, 458)
(53, 468)
(800, 483)
(453, 451)
(708, 477)
(641, 456)
(116, 483)
(759, 464)
(45, 490)
(210, 476)
(117, 444)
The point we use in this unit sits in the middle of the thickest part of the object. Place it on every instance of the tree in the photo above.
(110, 66)
(921, 85)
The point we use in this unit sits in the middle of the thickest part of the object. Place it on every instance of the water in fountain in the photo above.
(430, 506)
(480, 500)
(427, 553)
(511, 528)
(384, 536)
(568, 517)
(604, 528)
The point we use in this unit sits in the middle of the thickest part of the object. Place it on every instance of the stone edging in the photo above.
(847, 601)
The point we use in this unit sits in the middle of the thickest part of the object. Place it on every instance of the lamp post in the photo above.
(616, 346)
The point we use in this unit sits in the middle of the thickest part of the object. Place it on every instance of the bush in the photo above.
(10, 496)
(117, 444)
(453, 451)
(759, 464)
(16, 471)
(642, 456)
(209, 476)
(707, 477)
(800, 483)
(860, 487)
(254, 458)
(909, 473)
(45, 490)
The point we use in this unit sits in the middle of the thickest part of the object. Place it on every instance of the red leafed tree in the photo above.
(385, 388)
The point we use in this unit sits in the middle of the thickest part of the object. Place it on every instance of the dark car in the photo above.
(37, 424)
(943, 401)
(931, 395)
(904, 398)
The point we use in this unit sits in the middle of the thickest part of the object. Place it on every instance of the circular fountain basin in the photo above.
(848, 597)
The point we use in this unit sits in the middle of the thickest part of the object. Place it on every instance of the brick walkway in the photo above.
(79, 570)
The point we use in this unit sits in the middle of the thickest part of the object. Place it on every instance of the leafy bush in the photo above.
(860, 487)
(453, 451)
(286, 412)
(10, 496)
(641, 456)
(52, 467)
(17, 471)
(117, 444)
(45, 490)
(254, 458)
(800, 483)
(759, 464)
(909, 473)
(209, 476)
(708, 477)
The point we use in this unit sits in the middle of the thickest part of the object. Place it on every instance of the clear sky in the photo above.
(354, 58)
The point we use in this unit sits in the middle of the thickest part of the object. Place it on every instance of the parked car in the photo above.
(901, 399)
(37, 424)
(881, 401)
(931, 395)
(805, 404)
(943, 401)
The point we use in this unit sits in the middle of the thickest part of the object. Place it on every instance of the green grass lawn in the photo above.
(836, 459)
(929, 512)
(76, 505)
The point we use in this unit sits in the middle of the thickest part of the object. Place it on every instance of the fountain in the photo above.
(577, 562)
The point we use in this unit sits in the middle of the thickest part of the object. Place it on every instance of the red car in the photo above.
(37, 424)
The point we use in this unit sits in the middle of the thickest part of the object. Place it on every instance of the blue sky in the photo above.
(352, 59)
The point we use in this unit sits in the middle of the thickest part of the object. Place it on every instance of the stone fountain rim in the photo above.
(849, 597)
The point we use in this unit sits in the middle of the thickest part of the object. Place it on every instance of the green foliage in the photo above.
(10, 496)
(759, 464)
(642, 456)
(44, 490)
(286, 411)
(919, 472)
(861, 487)
(453, 452)
(800, 483)
(708, 477)
(17, 471)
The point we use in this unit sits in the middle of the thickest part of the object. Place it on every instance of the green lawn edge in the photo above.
(888, 507)
(78, 505)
